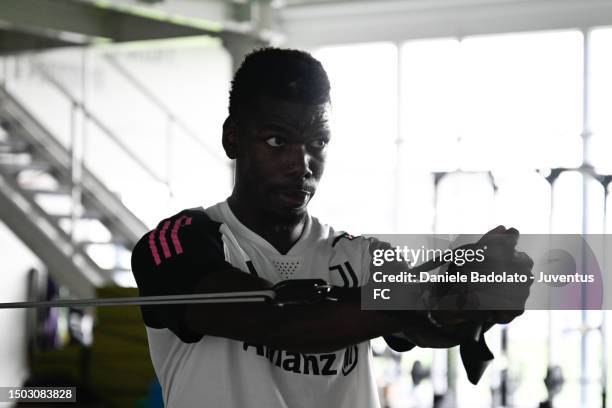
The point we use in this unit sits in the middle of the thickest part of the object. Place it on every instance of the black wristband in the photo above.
(344, 294)
(300, 291)
(308, 291)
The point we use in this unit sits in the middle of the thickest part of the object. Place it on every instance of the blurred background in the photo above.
(448, 116)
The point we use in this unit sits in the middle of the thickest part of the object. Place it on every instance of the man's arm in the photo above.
(185, 255)
(313, 328)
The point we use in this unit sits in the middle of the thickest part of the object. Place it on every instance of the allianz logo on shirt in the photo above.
(309, 364)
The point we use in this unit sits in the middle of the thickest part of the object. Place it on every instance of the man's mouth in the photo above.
(295, 198)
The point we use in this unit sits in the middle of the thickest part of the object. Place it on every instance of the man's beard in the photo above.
(285, 219)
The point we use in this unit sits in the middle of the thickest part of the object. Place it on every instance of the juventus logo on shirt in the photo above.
(351, 355)
(349, 279)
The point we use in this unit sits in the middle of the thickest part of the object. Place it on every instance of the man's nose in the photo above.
(298, 161)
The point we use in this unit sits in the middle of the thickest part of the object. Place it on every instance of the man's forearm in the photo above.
(320, 327)
(316, 328)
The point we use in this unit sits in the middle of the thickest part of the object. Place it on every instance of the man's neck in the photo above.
(282, 234)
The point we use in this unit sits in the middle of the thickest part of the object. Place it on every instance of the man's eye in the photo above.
(318, 144)
(275, 141)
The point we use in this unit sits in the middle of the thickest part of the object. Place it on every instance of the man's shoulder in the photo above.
(196, 219)
(187, 231)
(195, 213)
(339, 240)
(347, 256)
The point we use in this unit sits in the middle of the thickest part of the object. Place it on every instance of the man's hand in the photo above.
(489, 302)
(501, 256)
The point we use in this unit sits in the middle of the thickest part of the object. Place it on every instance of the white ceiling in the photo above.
(309, 23)
(332, 22)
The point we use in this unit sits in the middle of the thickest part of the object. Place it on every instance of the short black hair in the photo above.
(287, 74)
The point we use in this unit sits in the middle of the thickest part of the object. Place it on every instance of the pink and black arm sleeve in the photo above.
(171, 260)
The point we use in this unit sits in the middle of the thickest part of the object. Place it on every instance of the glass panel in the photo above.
(601, 100)
(485, 102)
(522, 201)
(361, 160)
(601, 85)
(464, 204)
(567, 204)
(430, 101)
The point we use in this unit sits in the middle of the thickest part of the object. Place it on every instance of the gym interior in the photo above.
(448, 117)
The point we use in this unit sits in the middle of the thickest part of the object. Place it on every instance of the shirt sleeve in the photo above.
(171, 260)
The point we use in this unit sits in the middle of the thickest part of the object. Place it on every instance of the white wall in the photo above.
(17, 259)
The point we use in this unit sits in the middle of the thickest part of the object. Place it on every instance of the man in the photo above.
(259, 355)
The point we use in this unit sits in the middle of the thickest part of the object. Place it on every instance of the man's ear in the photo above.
(230, 138)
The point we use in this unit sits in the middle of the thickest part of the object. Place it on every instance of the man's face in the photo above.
(281, 155)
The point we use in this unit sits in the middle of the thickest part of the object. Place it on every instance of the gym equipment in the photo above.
(419, 372)
(298, 291)
(553, 381)
(474, 351)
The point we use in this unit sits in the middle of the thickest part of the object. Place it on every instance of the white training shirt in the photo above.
(218, 372)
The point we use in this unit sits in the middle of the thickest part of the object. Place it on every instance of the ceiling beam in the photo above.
(101, 20)
(339, 22)
(15, 41)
